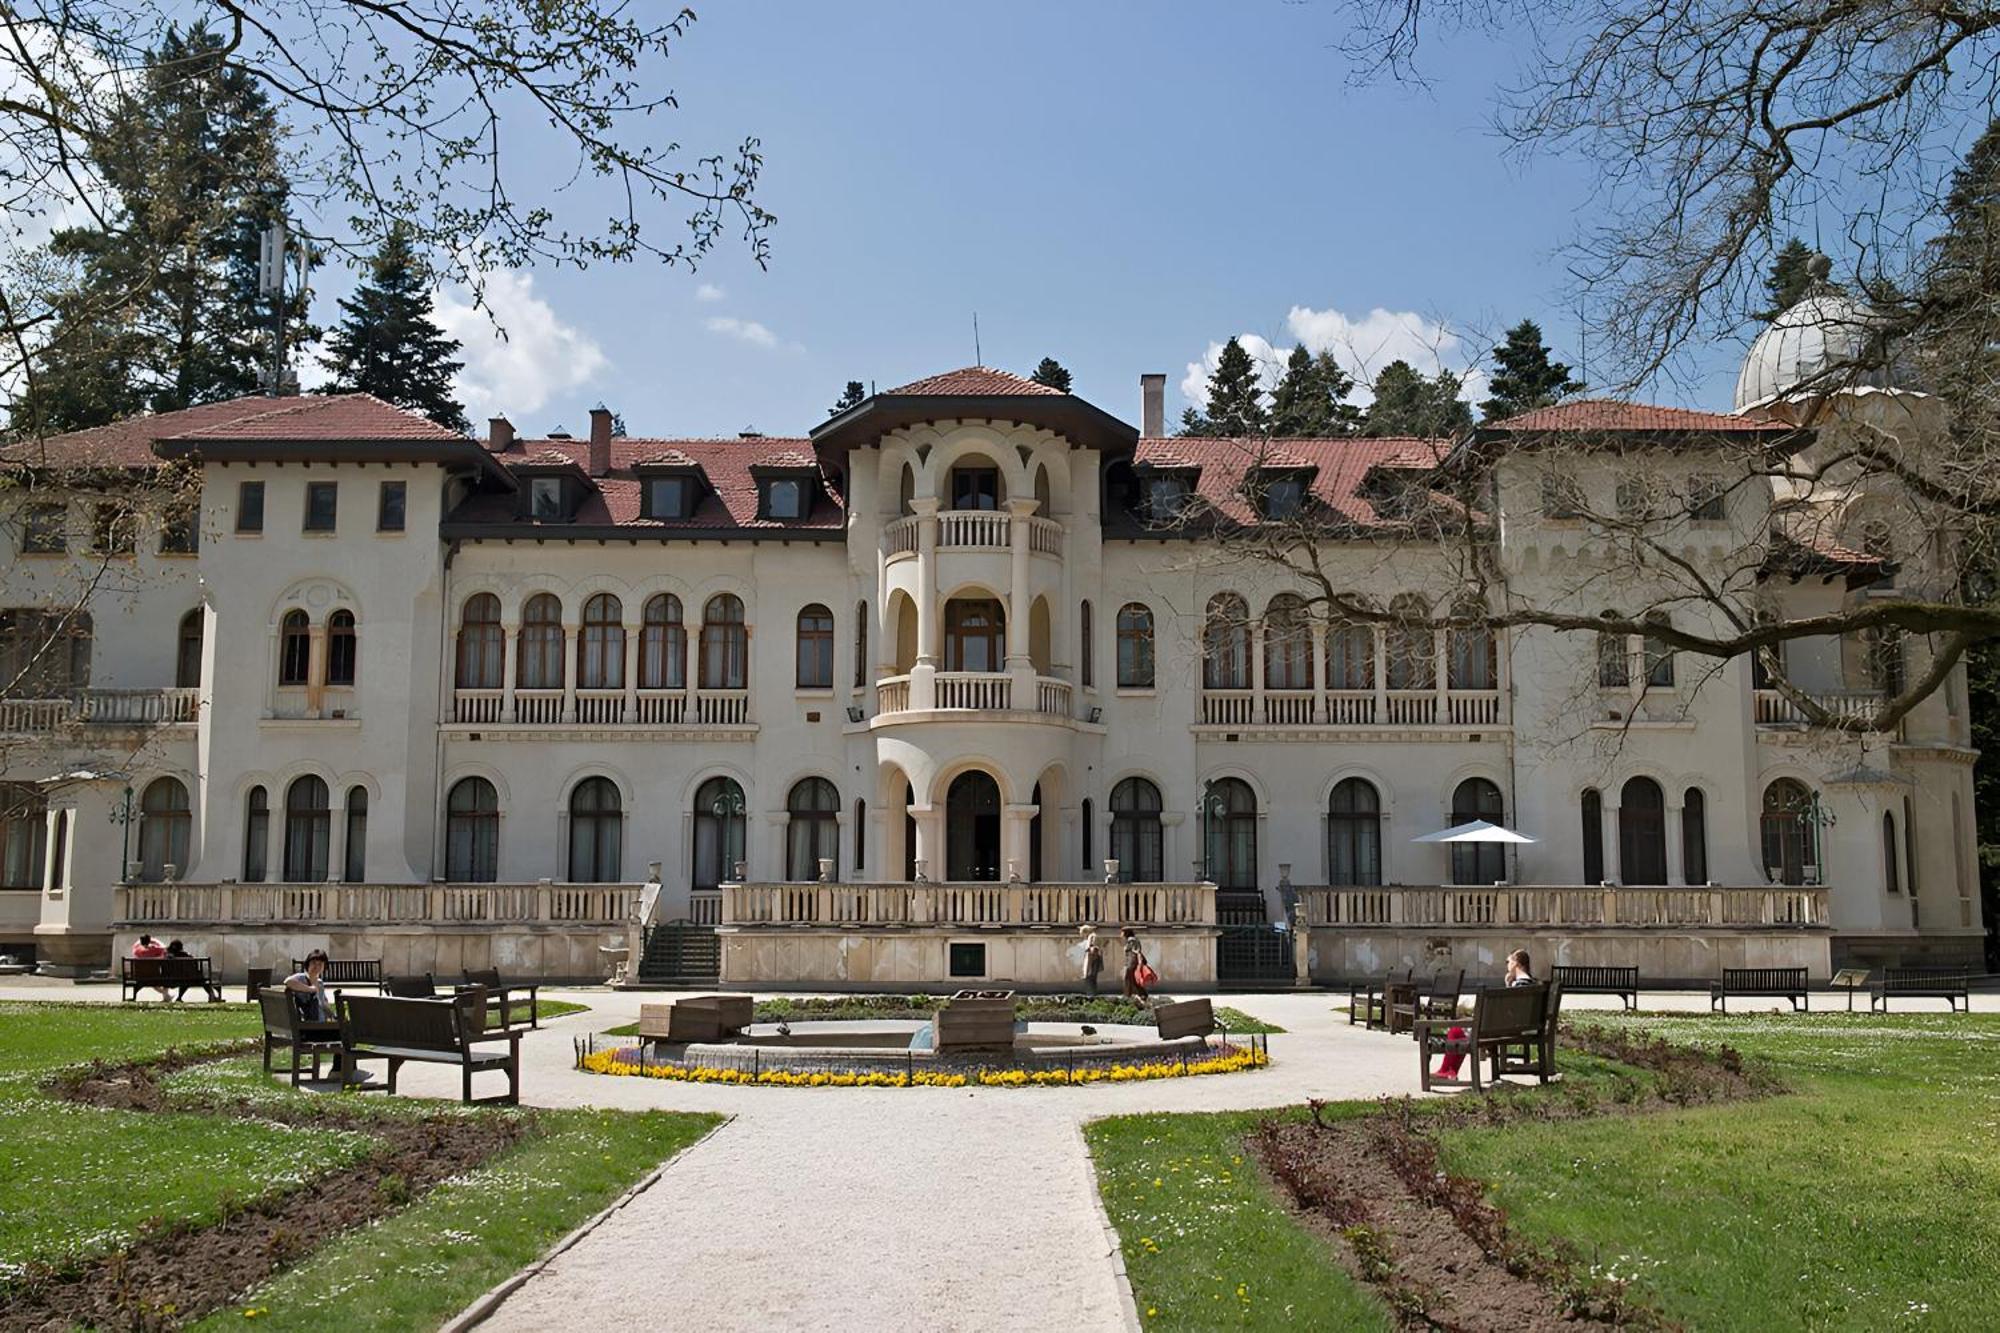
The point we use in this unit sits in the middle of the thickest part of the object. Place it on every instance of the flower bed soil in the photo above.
(176, 1274)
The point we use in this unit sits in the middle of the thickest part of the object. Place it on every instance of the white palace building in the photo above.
(883, 705)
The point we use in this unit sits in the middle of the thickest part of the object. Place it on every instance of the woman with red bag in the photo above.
(1139, 974)
(1518, 974)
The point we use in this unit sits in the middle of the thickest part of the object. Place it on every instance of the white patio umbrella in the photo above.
(1479, 830)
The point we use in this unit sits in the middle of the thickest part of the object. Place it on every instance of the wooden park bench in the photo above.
(443, 1032)
(504, 994)
(342, 972)
(1512, 1026)
(1366, 1003)
(284, 1027)
(165, 974)
(413, 987)
(1787, 983)
(697, 1018)
(1596, 980)
(1435, 998)
(1954, 988)
(1184, 1018)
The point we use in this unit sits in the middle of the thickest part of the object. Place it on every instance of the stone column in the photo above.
(930, 616)
(1016, 828)
(1671, 831)
(570, 664)
(510, 662)
(1020, 665)
(1614, 860)
(1316, 672)
(929, 822)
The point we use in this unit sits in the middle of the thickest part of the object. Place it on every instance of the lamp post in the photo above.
(1209, 812)
(122, 816)
(727, 808)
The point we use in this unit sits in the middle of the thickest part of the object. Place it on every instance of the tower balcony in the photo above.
(1035, 697)
(974, 530)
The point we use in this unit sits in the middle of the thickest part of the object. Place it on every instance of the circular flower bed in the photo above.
(627, 1061)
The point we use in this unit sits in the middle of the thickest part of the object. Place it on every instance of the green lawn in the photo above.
(1206, 1243)
(1868, 1197)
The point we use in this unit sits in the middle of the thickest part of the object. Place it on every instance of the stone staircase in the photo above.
(681, 955)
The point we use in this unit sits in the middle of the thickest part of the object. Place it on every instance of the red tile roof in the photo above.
(975, 381)
(1609, 414)
(340, 416)
(129, 443)
(1341, 467)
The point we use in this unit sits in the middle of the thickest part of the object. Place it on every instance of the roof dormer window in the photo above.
(546, 501)
(784, 498)
(1167, 496)
(1279, 493)
(669, 497)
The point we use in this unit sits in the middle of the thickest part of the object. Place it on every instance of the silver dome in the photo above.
(1825, 342)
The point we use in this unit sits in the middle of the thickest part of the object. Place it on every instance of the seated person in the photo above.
(148, 947)
(175, 949)
(309, 992)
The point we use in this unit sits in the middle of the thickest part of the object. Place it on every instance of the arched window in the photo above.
(472, 832)
(1892, 878)
(308, 830)
(1225, 640)
(1350, 656)
(718, 832)
(1642, 833)
(815, 648)
(1410, 646)
(1288, 663)
(663, 645)
(340, 648)
(1088, 660)
(294, 649)
(1472, 658)
(1231, 810)
(812, 831)
(256, 835)
(596, 832)
(1478, 862)
(860, 662)
(164, 824)
(725, 644)
(1694, 837)
(1659, 659)
(1614, 663)
(1593, 836)
(482, 644)
(975, 485)
(975, 634)
(1089, 830)
(1354, 833)
(600, 653)
(1135, 647)
(356, 851)
(187, 652)
(24, 833)
(1791, 838)
(1137, 838)
(860, 835)
(538, 658)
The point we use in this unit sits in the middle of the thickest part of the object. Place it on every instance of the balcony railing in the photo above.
(100, 708)
(968, 904)
(974, 530)
(987, 690)
(1513, 906)
(1773, 709)
(1351, 708)
(605, 905)
(603, 708)
(981, 691)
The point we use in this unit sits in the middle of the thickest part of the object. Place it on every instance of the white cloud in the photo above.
(743, 330)
(708, 291)
(1362, 346)
(517, 354)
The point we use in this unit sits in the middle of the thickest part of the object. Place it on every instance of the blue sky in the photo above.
(1119, 185)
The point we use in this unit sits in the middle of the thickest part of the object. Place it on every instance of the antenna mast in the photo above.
(274, 249)
(978, 358)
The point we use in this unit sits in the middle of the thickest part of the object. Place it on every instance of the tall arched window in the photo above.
(860, 661)
(24, 835)
(187, 652)
(472, 832)
(725, 644)
(1232, 835)
(1088, 647)
(1350, 656)
(1642, 833)
(1694, 837)
(164, 825)
(600, 652)
(1478, 862)
(596, 832)
(538, 660)
(975, 634)
(860, 835)
(294, 649)
(308, 830)
(1137, 838)
(1473, 655)
(256, 835)
(1892, 878)
(663, 645)
(718, 832)
(1225, 641)
(815, 648)
(812, 830)
(1614, 662)
(482, 644)
(1354, 833)
(1088, 828)
(1593, 836)
(1288, 663)
(356, 850)
(342, 650)
(1410, 646)
(1791, 838)
(1135, 647)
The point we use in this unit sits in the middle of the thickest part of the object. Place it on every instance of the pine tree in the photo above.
(1235, 397)
(1526, 378)
(387, 343)
(1789, 279)
(852, 394)
(1309, 402)
(1052, 374)
(1408, 404)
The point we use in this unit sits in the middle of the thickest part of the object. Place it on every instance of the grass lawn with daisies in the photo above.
(78, 1181)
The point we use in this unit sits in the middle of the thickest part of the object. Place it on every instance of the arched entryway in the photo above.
(972, 827)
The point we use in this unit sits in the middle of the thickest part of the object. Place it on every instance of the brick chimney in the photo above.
(600, 441)
(499, 435)
(1152, 406)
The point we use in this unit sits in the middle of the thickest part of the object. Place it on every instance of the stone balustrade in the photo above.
(968, 905)
(351, 905)
(100, 708)
(1513, 907)
(601, 708)
(1352, 708)
(974, 530)
(1772, 709)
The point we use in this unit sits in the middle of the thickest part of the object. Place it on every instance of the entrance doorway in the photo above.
(972, 828)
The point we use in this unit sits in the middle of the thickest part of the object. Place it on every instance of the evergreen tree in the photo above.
(387, 343)
(1526, 378)
(1052, 374)
(1789, 279)
(1309, 402)
(1235, 398)
(852, 394)
(1408, 404)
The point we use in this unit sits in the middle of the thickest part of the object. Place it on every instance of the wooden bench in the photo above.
(284, 1027)
(1435, 998)
(444, 1032)
(1184, 1018)
(504, 994)
(1787, 983)
(1365, 1002)
(1512, 1026)
(1597, 980)
(1954, 988)
(347, 972)
(411, 987)
(735, 1011)
(164, 974)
